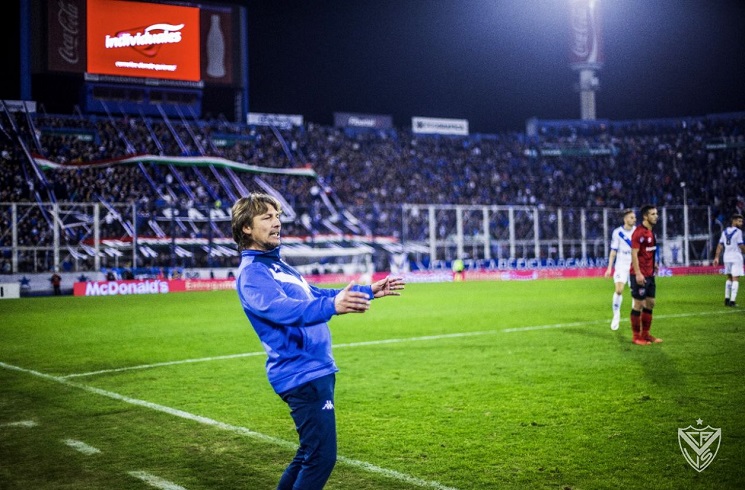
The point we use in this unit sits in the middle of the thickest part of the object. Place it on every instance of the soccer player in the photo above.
(290, 318)
(643, 269)
(731, 242)
(620, 256)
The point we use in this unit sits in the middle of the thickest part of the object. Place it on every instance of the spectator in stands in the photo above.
(56, 281)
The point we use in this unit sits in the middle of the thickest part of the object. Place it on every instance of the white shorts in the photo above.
(621, 275)
(734, 269)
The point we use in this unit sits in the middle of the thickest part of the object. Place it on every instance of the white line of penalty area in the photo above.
(380, 342)
(363, 465)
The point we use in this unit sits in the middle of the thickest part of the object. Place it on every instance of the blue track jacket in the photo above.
(289, 316)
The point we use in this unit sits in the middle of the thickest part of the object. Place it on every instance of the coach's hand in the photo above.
(390, 286)
(348, 301)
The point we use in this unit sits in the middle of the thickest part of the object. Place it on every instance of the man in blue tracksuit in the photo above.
(290, 317)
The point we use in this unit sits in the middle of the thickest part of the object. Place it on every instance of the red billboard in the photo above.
(147, 40)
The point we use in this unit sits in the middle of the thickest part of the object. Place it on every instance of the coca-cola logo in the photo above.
(68, 18)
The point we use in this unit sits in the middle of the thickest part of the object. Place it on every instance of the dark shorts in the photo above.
(642, 291)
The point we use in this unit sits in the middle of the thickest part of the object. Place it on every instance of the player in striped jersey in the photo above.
(731, 242)
(620, 259)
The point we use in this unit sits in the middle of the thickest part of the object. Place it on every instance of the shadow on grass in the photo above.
(656, 364)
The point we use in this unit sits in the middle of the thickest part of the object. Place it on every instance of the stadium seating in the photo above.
(361, 177)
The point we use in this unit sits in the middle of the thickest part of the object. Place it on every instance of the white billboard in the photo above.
(432, 125)
(279, 120)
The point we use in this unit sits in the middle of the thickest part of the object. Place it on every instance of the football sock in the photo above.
(646, 319)
(636, 322)
(733, 291)
(617, 300)
(727, 289)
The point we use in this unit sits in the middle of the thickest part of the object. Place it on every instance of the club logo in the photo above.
(699, 445)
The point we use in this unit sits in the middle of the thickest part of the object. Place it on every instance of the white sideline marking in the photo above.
(82, 447)
(22, 423)
(161, 364)
(155, 481)
(228, 427)
(382, 342)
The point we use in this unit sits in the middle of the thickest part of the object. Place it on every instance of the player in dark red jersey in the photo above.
(643, 269)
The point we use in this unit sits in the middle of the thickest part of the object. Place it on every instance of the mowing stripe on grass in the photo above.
(369, 467)
(22, 423)
(382, 342)
(81, 447)
(155, 481)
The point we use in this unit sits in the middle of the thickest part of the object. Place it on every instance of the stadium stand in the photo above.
(348, 183)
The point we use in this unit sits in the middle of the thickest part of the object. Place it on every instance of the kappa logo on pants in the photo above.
(328, 406)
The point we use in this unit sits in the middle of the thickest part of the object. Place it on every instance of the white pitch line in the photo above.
(369, 467)
(155, 481)
(22, 423)
(81, 447)
(162, 364)
(382, 342)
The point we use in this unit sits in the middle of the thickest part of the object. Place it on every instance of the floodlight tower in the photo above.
(586, 51)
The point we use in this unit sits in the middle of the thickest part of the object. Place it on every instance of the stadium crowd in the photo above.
(369, 173)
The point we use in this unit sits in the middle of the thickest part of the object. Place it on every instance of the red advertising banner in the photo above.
(149, 40)
(66, 41)
(574, 273)
(586, 48)
(150, 286)
(165, 286)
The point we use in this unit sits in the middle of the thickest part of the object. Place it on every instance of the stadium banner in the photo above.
(20, 105)
(724, 145)
(284, 121)
(371, 121)
(10, 290)
(150, 286)
(585, 45)
(182, 161)
(569, 152)
(432, 125)
(345, 279)
(575, 273)
(66, 40)
(38, 283)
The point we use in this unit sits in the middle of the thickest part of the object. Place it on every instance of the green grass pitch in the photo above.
(475, 385)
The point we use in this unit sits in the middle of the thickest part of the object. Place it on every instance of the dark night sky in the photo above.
(495, 63)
